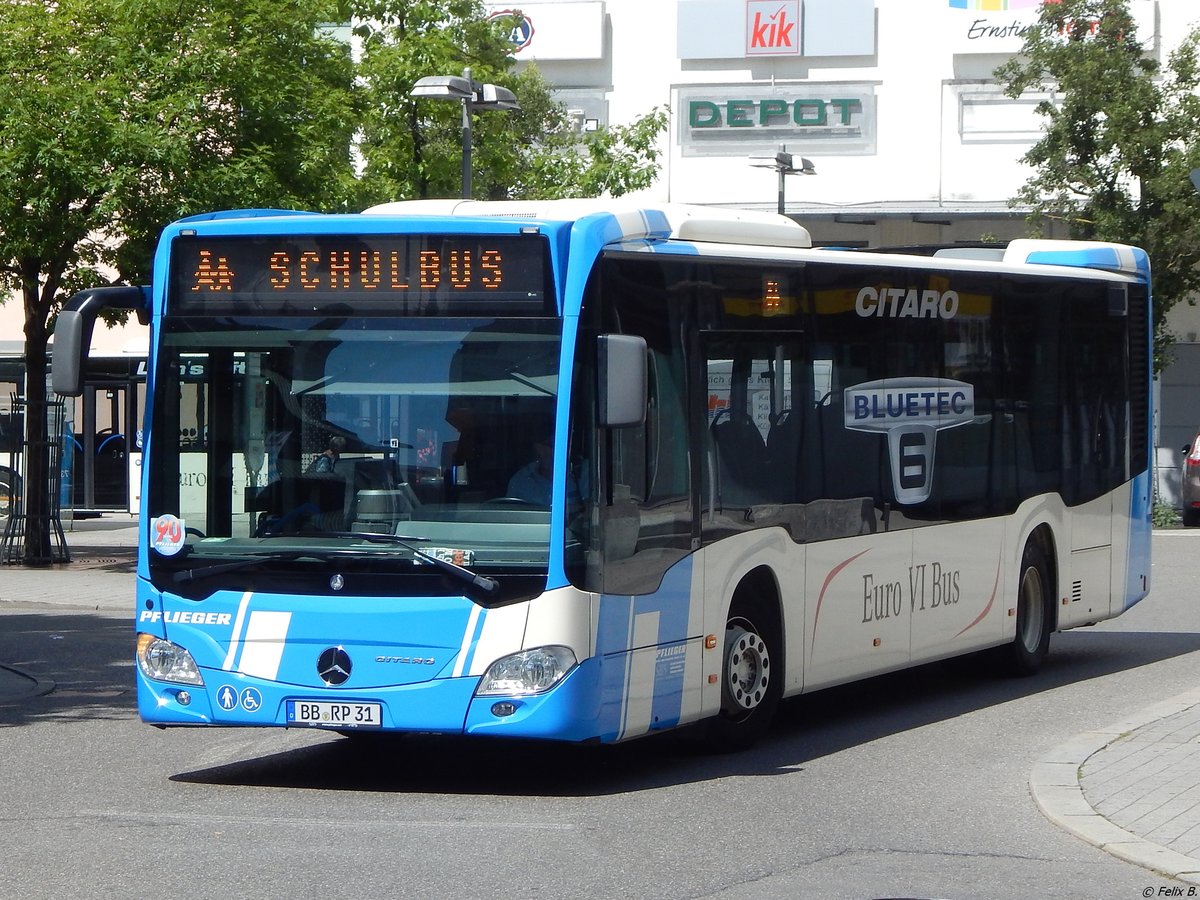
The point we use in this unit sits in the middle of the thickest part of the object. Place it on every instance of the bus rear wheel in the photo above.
(750, 682)
(1027, 652)
(10, 489)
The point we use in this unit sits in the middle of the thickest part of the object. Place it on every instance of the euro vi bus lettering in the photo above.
(930, 586)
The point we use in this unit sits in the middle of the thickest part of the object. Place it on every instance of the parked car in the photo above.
(1190, 482)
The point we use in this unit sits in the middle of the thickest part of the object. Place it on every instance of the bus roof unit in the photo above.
(672, 220)
(1107, 257)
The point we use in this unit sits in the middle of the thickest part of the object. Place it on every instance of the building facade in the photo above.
(894, 102)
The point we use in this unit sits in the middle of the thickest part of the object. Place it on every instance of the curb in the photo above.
(16, 686)
(1057, 791)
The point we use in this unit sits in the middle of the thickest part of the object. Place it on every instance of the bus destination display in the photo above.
(269, 271)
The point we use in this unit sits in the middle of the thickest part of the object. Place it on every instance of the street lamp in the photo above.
(785, 164)
(473, 96)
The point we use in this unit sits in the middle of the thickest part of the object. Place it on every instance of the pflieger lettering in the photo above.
(185, 617)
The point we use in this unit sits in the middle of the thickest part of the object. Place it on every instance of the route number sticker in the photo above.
(166, 534)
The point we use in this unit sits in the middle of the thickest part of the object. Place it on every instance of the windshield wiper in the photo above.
(185, 575)
(490, 585)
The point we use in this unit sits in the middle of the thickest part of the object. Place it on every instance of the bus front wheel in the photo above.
(751, 682)
(1024, 656)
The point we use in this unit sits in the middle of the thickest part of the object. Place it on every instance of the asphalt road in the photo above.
(912, 785)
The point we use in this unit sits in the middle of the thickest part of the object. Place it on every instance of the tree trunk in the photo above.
(38, 503)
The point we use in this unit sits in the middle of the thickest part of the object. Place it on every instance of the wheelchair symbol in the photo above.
(251, 699)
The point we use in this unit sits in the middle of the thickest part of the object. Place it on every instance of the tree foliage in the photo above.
(118, 116)
(413, 149)
(1122, 134)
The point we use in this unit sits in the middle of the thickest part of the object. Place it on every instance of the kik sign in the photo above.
(772, 27)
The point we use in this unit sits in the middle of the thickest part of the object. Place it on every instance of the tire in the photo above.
(10, 489)
(751, 684)
(1035, 599)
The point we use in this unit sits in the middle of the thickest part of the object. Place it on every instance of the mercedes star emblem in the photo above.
(333, 665)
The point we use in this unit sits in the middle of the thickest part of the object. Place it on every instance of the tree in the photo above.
(412, 148)
(116, 117)
(1121, 135)
(556, 162)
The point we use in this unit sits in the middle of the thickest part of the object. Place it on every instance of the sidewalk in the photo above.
(1132, 789)
(100, 575)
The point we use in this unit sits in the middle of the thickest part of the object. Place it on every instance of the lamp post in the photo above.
(785, 164)
(473, 96)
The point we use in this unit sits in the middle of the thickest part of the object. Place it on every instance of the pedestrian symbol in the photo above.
(227, 698)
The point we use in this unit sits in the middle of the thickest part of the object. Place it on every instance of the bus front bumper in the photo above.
(569, 711)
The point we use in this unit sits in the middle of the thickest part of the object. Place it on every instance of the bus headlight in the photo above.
(528, 672)
(164, 661)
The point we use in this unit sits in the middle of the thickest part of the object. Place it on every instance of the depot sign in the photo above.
(726, 120)
(773, 111)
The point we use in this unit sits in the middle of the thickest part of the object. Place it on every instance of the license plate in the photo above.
(334, 714)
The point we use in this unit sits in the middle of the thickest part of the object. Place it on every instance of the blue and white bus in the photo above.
(590, 473)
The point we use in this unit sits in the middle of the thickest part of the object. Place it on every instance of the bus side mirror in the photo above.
(73, 331)
(621, 366)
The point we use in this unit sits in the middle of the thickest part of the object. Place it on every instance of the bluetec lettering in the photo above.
(909, 404)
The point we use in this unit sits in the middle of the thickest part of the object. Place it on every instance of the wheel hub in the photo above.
(747, 669)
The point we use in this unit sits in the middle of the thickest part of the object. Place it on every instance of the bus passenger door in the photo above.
(1088, 586)
(754, 388)
(1097, 456)
(859, 544)
(100, 466)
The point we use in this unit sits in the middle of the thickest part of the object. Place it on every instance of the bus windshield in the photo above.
(378, 441)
